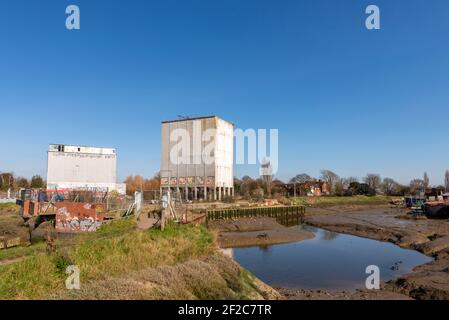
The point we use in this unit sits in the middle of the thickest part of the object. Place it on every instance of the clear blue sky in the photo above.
(343, 98)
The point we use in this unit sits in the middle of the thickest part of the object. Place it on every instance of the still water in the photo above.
(330, 261)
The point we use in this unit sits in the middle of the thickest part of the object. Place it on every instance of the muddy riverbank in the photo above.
(255, 232)
(391, 224)
(378, 222)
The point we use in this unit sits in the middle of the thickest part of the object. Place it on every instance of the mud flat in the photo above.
(300, 294)
(255, 232)
(386, 223)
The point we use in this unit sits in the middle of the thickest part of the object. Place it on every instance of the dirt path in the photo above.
(6, 262)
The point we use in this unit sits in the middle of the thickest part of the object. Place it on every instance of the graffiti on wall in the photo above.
(78, 217)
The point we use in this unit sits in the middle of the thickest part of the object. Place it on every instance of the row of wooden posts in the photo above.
(274, 212)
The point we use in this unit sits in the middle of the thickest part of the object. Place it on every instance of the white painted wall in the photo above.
(220, 171)
(81, 167)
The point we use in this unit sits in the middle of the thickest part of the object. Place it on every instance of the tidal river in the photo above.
(329, 261)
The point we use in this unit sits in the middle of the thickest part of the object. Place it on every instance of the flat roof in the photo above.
(68, 148)
(78, 146)
(195, 118)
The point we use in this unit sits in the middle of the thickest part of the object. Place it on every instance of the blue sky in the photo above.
(343, 98)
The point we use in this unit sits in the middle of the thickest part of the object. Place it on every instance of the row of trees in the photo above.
(371, 184)
(139, 183)
(9, 181)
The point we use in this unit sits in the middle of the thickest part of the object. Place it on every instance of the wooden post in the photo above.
(163, 218)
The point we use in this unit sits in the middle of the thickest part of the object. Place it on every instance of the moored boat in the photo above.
(437, 209)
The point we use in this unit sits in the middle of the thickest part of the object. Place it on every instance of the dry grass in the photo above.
(215, 277)
(12, 225)
(335, 201)
(115, 250)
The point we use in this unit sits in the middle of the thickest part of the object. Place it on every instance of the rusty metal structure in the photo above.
(72, 213)
(72, 217)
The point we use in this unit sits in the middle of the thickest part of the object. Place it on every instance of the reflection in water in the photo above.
(325, 234)
(290, 220)
(329, 236)
(330, 261)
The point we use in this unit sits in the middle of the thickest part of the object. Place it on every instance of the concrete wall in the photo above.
(192, 172)
(224, 154)
(71, 167)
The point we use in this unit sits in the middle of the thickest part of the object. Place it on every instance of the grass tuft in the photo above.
(116, 249)
(334, 201)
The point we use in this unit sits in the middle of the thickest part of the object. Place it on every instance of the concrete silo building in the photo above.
(72, 167)
(197, 158)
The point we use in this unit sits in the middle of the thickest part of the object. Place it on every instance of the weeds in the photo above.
(116, 249)
(333, 201)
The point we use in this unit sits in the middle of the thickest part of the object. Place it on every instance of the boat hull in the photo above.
(440, 211)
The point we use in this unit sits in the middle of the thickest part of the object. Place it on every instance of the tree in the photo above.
(351, 180)
(301, 178)
(6, 181)
(153, 183)
(389, 186)
(373, 181)
(329, 177)
(134, 183)
(237, 185)
(357, 188)
(426, 180)
(446, 180)
(22, 183)
(416, 185)
(340, 186)
(37, 182)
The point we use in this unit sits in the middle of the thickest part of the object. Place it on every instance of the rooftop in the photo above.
(193, 118)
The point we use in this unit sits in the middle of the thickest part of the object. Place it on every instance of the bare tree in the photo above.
(329, 177)
(6, 180)
(389, 186)
(351, 180)
(21, 183)
(426, 180)
(446, 180)
(373, 181)
(301, 178)
(416, 185)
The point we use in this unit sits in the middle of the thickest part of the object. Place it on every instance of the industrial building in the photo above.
(197, 158)
(72, 167)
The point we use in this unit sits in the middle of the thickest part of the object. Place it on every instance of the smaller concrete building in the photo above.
(73, 167)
